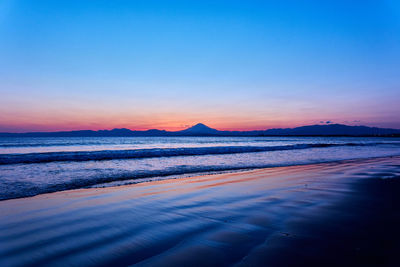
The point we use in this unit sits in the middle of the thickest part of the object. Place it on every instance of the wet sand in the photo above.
(333, 214)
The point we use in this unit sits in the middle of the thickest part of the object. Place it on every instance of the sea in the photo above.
(31, 166)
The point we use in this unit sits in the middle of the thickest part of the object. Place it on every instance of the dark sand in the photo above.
(332, 214)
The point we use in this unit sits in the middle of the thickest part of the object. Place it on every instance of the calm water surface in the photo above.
(30, 166)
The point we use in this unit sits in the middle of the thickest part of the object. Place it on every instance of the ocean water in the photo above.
(31, 166)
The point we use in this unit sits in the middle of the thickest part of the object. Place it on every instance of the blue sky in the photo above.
(169, 64)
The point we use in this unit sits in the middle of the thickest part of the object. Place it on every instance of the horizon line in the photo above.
(188, 127)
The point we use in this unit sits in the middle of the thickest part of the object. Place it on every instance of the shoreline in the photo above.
(318, 214)
(189, 175)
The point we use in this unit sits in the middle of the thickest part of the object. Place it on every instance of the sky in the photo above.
(233, 65)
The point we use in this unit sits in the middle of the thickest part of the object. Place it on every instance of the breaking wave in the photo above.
(159, 152)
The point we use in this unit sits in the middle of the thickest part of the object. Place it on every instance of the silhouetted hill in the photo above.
(199, 129)
(203, 130)
(89, 133)
(334, 129)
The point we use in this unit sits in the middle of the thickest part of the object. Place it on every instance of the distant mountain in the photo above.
(203, 130)
(334, 129)
(199, 129)
(89, 133)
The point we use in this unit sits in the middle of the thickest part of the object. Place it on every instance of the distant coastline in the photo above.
(203, 130)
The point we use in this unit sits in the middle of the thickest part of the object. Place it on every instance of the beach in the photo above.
(327, 214)
(199, 133)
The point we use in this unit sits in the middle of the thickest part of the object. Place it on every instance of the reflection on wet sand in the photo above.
(332, 213)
